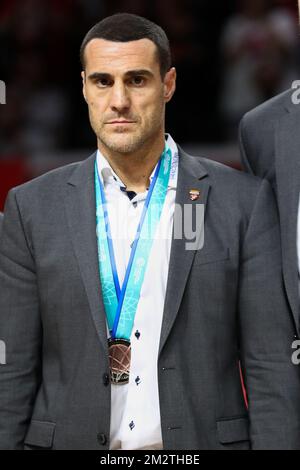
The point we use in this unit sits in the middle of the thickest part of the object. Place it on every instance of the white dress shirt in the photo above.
(135, 411)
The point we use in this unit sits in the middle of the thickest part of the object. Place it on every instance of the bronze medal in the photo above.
(119, 360)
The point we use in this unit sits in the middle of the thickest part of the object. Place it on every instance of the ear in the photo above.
(169, 84)
(83, 85)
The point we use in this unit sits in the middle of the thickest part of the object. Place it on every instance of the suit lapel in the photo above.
(191, 175)
(287, 164)
(81, 216)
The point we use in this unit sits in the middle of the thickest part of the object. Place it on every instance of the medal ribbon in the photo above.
(121, 303)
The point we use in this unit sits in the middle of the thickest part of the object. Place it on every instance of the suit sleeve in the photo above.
(267, 331)
(20, 329)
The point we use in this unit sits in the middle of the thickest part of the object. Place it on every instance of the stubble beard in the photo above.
(121, 142)
(124, 142)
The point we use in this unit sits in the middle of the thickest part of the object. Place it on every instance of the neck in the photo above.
(134, 169)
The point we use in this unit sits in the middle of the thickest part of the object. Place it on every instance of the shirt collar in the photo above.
(108, 175)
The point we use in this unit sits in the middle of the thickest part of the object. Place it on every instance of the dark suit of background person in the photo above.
(224, 302)
(270, 148)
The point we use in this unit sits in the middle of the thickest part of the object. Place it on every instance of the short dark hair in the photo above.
(125, 27)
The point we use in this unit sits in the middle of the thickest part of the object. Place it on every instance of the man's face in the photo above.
(125, 93)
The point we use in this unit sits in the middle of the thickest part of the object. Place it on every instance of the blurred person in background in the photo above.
(270, 148)
(259, 50)
(35, 38)
(166, 376)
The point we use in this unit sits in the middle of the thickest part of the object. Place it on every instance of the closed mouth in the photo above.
(120, 122)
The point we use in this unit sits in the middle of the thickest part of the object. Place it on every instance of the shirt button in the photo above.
(105, 379)
(102, 439)
(137, 334)
(131, 425)
(134, 204)
(138, 380)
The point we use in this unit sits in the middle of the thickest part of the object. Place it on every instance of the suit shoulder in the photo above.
(237, 192)
(257, 131)
(50, 177)
(226, 175)
(272, 109)
(51, 180)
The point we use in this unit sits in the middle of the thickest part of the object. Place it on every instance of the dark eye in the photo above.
(137, 81)
(103, 82)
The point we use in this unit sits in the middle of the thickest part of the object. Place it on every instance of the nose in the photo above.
(119, 99)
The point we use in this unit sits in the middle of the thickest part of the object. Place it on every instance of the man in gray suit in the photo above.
(170, 379)
(270, 143)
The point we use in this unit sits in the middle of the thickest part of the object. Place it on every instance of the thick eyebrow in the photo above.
(144, 72)
(100, 75)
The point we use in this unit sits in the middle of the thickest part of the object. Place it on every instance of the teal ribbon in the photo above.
(121, 304)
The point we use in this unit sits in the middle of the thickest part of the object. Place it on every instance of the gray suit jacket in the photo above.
(224, 303)
(270, 148)
(1, 221)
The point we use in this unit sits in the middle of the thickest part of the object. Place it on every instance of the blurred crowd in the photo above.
(259, 47)
(230, 56)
